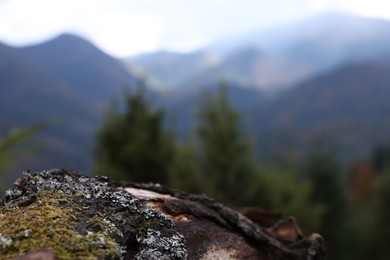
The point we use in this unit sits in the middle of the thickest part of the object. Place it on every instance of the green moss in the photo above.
(50, 222)
(142, 228)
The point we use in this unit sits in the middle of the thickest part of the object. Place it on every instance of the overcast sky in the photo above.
(126, 27)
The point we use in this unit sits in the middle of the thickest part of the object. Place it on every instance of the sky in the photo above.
(128, 27)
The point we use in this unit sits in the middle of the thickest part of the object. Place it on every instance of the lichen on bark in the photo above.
(60, 214)
(79, 217)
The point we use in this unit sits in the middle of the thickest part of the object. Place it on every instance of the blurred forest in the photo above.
(16, 144)
(347, 205)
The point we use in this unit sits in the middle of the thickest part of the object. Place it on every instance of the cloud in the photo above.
(121, 33)
(118, 31)
(372, 8)
(31, 20)
(124, 27)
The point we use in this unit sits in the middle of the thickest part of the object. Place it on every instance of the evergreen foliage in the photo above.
(185, 173)
(283, 191)
(381, 158)
(381, 236)
(13, 146)
(323, 172)
(132, 144)
(224, 155)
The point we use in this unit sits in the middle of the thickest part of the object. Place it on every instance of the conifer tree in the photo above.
(224, 155)
(132, 144)
(381, 230)
(185, 174)
(323, 172)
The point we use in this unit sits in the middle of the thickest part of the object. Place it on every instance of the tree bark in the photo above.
(59, 214)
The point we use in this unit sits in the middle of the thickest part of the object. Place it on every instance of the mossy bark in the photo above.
(62, 214)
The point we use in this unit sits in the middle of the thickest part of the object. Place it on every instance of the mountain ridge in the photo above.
(66, 79)
(304, 48)
(347, 103)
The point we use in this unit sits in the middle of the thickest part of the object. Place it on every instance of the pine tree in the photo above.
(286, 193)
(132, 145)
(185, 174)
(224, 155)
(323, 172)
(381, 230)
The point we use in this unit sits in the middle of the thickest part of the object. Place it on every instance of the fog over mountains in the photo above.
(277, 58)
(324, 78)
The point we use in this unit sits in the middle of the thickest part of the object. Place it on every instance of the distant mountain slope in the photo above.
(170, 70)
(238, 68)
(66, 79)
(348, 106)
(338, 28)
(25, 85)
(80, 64)
(330, 40)
(280, 57)
(181, 109)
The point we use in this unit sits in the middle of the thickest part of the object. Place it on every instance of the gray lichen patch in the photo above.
(77, 216)
(157, 246)
(5, 241)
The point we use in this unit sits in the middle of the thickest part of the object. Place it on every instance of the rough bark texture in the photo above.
(60, 214)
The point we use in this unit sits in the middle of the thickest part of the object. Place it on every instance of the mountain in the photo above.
(279, 58)
(348, 107)
(81, 65)
(170, 70)
(181, 108)
(66, 79)
(330, 40)
(343, 100)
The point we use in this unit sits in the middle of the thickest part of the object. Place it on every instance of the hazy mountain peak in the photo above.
(5, 46)
(70, 38)
(65, 42)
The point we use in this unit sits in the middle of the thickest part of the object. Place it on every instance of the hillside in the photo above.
(348, 107)
(74, 60)
(66, 79)
(181, 109)
(70, 80)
